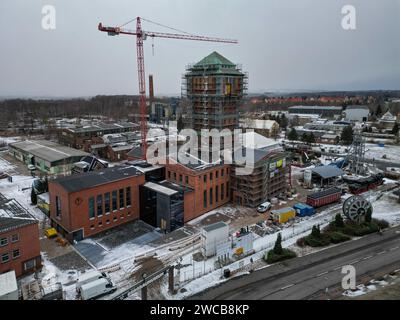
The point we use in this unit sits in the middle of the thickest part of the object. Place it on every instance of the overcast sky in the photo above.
(283, 45)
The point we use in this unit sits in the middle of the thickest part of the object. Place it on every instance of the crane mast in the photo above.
(140, 37)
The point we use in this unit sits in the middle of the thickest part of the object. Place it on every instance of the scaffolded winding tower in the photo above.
(214, 87)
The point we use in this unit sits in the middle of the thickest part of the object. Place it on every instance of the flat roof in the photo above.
(336, 108)
(8, 283)
(47, 150)
(92, 179)
(103, 126)
(215, 226)
(160, 189)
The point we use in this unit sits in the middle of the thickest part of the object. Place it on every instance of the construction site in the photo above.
(97, 216)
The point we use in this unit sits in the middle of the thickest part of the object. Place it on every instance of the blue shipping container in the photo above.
(303, 210)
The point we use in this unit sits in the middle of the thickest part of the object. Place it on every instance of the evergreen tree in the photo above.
(180, 124)
(368, 215)
(378, 112)
(33, 197)
(339, 221)
(395, 129)
(311, 138)
(347, 135)
(278, 245)
(316, 232)
(293, 135)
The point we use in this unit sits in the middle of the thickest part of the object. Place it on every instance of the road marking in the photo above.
(288, 286)
(392, 249)
(366, 258)
(382, 252)
(353, 262)
(339, 267)
(321, 274)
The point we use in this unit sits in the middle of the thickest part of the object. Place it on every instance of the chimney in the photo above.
(151, 88)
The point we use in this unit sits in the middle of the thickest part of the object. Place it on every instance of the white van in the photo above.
(88, 277)
(264, 207)
(96, 289)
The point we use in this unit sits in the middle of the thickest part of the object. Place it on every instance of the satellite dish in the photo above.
(356, 207)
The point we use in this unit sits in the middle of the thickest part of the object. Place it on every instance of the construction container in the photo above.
(303, 210)
(325, 197)
(283, 215)
(213, 236)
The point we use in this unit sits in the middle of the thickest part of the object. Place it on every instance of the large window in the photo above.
(16, 253)
(114, 200)
(211, 196)
(58, 206)
(91, 208)
(216, 174)
(121, 199)
(222, 191)
(107, 202)
(29, 264)
(186, 179)
(216, 194)
(227, 189)
(15, 237)
(222, 172)
(3, 242)
(205, 178)
(205, 199)
(5, 257)
(100, 205)
(128, 196)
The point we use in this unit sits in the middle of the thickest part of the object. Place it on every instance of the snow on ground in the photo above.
(9, 140)
(6, 166)
(374, 151)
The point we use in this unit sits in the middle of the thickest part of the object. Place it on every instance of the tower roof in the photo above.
(215, 59)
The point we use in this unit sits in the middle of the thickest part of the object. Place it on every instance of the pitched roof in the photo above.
(214, 59)
(13, 215)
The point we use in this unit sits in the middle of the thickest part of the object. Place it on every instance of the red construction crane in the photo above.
(142, 35)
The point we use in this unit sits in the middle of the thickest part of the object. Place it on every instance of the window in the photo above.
(92, 227)
(227, 189)
(100, 205)
(222, 172)
(58, 206)
(115, 219)
(100, 224)
(205, 199)
(227, 171)
(186, 179)
(222, 191)
(5, 257)
(169, 174)
(28, 265)
(211, 175)
(15, 237)
(205, 178)
(91, 208)
(121, 216)
(216, 174)
(128, 196)
(107, 202)
(114, 200)
(121, 199)
(16, 254)
(211, 196)
(108, 221)
(180, 178)
(175, 176)
(216, 194)
(3, 242)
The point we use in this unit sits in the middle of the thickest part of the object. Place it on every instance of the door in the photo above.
(77, 235)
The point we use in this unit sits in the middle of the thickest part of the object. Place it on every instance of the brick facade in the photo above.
(74, 213)
(211, 187)
(22, 251)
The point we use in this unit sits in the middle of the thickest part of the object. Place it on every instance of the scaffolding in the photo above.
(264, 183)
(214, 91)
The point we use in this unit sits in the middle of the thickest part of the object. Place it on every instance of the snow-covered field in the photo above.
(373, 151)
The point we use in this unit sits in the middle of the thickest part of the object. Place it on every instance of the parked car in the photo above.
(264, 207)
(88, 277)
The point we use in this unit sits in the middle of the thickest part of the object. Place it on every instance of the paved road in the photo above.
(301, 277)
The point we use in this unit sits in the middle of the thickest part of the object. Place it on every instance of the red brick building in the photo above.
(19, 240)
(85, 204)
(211, 185)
